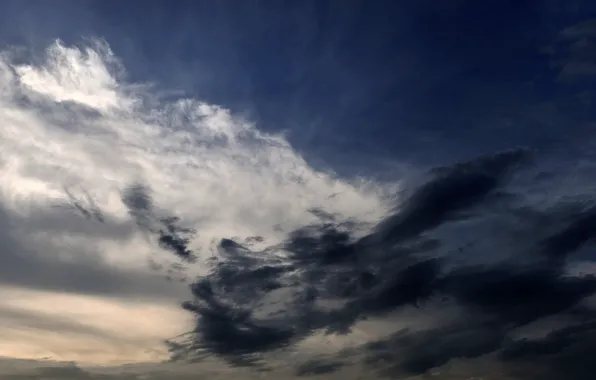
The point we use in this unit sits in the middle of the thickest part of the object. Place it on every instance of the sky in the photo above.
(358, 189)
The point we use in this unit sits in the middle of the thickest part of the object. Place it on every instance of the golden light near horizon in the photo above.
(86, 329)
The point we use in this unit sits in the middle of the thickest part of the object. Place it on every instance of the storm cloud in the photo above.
(324, 278)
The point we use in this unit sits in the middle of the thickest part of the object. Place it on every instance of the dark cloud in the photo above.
(35, 370)
(253, 302)
(517, 296)
(86, 206)
(452, 189)
(170, 235)
(72, 372)
(564, 353)
(175, 238)
(494, 302)
(328, 280)
(580, 230)
(324, 279)
(417, 352)
(318, 367)
(494, 306)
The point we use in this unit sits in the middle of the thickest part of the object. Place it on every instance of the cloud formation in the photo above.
(579, 58)
(104, 181)
(326, 280)
(100, 176)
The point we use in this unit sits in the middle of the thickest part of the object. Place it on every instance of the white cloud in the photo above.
(71, 125)
(200, 161)
(82, 76)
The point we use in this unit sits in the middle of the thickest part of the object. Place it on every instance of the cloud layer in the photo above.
(428, 258)
(105, 184)
(104, 181)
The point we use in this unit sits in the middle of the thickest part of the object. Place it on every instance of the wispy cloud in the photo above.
(579, 59)
(80, 148)
(103, 182)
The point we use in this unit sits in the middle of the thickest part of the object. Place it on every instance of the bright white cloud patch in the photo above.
(74, 134)
(81, 76)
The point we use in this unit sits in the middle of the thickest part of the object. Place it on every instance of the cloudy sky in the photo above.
(317, 188)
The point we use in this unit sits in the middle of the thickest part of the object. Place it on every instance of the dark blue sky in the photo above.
(416, 81)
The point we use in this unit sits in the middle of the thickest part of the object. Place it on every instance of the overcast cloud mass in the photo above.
(238, 191)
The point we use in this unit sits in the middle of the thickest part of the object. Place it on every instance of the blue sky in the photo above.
(407, 80)
(136, 135)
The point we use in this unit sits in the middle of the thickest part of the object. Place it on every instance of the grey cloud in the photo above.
(171, 236)
(579, 57)
(10, 317)
(13, 369)
(29, 264)
(330, 280)
(371, 276)
(582, 29)
(82, 277)
(576, 68)
(318, 367)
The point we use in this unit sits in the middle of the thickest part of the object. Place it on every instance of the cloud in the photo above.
(84, 328)
(171, 236)
(322, 264)
(30, 369)
(60, 78)
(49, 250)
(324, 279)
(586, 28)
(315, 367)
(104, 181)
(99, 176)
(195, 157)
(580, 58)
(58, 324)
